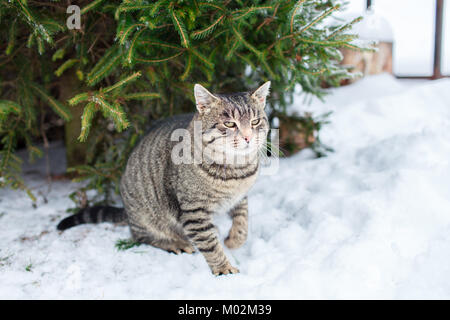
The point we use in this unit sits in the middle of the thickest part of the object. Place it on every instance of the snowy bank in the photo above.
(371, 220)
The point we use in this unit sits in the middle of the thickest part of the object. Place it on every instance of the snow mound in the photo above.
(371, 220)
(373, 27)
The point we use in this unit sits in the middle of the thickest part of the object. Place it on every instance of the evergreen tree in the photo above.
(135, 61)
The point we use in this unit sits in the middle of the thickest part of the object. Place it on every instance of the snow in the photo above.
(373, 27)
(371, 220)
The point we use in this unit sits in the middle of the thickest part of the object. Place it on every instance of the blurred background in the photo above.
(418, 30)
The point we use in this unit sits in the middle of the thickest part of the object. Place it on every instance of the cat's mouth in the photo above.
(243, 149)
(232, 147)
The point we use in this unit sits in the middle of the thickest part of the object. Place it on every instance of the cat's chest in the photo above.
(226, 198)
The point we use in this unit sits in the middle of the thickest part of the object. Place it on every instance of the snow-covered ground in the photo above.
(371, 220)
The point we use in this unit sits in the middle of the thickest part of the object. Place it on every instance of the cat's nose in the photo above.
(246, 134)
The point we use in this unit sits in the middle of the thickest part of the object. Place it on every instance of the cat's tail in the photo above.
(95, 214)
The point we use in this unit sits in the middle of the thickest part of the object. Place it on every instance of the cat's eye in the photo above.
(255, 122)
(229, 124)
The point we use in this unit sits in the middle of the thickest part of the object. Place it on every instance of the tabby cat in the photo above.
(170, 205)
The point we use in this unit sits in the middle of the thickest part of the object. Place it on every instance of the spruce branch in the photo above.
(122, 82)
(40, 45)
(233, 48)
(245, 43)
(114, 111)
(294, 12)
(123, 36)
(159, 60)
(79, 98)
(66, 65)
(90, 6)
(325, 14)
(344, 27)
(132, 7)
(57, 106)
(130, 53)
(154, 42)
(141, 96)
(202, 58)
(188, 68)
(245, 13)
(53, 26)
(212, 5)
(200, 34)
(86, 120)
(181, 29)
(7, 107)
(59, 54)
(32, 20)
(105, 66)
(12, 38)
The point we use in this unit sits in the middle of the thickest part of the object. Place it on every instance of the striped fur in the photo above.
(95, 214)
(171, 206)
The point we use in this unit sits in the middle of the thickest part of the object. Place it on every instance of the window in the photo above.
(446, 40)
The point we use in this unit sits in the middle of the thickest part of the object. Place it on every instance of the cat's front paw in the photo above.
(233, 243)
(180, 248)
(235, 239)
(227, 269)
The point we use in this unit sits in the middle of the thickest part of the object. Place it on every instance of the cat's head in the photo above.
(233, 123)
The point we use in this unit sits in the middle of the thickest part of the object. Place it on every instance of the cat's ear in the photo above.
(203, 99)
(261, 93)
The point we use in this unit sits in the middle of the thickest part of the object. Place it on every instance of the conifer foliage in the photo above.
(136, 61)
